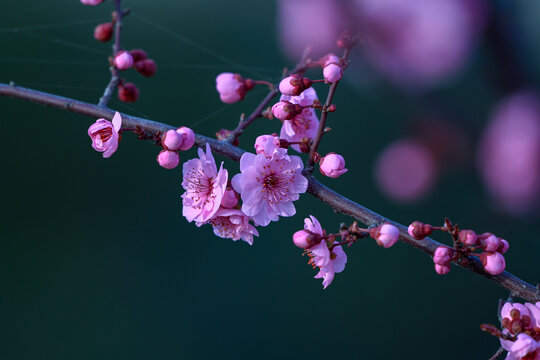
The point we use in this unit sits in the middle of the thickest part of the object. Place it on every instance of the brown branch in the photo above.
(497, 354)
(322, 124)
(336, 201)
(115, 77)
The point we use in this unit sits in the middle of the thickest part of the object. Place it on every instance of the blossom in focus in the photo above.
(204, 185)
(268, 186)
(294, 85)
(509, 154)
(522, 321)
(92, 2)
(171, 140)
(328, 262)
(386, 235)
(524, 347)
(303, 125)
(232, 87)
(188, 137)
(123, 60)
(493, 262)
(233, 224)
(267, 145)
(405, 171)
(332, 165)
(104, 135)
(311, 235)
(168, 159)
(332, 70)
(442, 257)
(230, 199)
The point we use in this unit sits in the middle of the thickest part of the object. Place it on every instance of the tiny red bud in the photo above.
(331, 108)
(138, 55)
(103, 32)
(146, 67)
(128, 92)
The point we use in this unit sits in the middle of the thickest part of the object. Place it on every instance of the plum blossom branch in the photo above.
(336, 201)
(322, 124)
(115, 78)
(302, 65)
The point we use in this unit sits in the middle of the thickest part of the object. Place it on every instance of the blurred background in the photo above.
(438, 116)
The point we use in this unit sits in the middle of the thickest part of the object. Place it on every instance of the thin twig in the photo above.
(258, 112)
(497, 354)
(115, 77)
(336, 201)
(322, 124)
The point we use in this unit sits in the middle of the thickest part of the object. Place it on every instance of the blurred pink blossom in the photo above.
(405, 171)
(509, 153)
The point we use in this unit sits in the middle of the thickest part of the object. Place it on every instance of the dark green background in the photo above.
(96, 261)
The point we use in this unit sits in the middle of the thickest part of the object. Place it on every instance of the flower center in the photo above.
(105, 134)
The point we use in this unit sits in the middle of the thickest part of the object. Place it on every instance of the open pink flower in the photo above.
(328, 262)
(204, 185)
(304, 124)
(104, 135)
(269, 185)
(523, 346)
(233, 224)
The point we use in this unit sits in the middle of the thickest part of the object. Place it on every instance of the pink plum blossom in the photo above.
(534, 313)
(303, 125)
(168, 159)
(294, 85)
(92, 2)
(104, 135)
(284, 110)
(172, 140)
(232, 87)
(311, 235)
(123, 60)
(332, 165)
(230, 199)
(204, 186)
(442, 269)
(328, 262)
(443, 255)
(233, 224)
(523, 346)
(188, 137)
(419, 230)
(267, 145)
(493, 262)
(506, 311)
(332, 70)
(489, 242)
(269, 186)
(386, 235)
(405, 171)
(467, 237)
(509, 154)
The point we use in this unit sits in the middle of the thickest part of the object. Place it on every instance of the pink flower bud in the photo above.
(419, 230)
(503, 247)
(489, 242)
(332, 70)
(232, 87)
(305, 239)
(138, 55)
(294, 85)
(123, 60)
(284, 110)
(172, 140)
(128, 92)
(442, 269)
(146, 67)
(229, 199)
(386, 235)
(493, 262)
(266, 145)
(467, 237)
(103, 32)
(332, 165)
(168, 159)
(92, 2)
(443, 255)
(104, 135)
(188, 137)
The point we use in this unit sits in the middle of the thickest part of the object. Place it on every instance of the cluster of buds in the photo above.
(173, 141)
(466, 242)
(520, 334)
(137, 59)
(327, 254)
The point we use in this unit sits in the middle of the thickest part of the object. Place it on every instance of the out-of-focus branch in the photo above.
(115, 77)
(336, 201)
